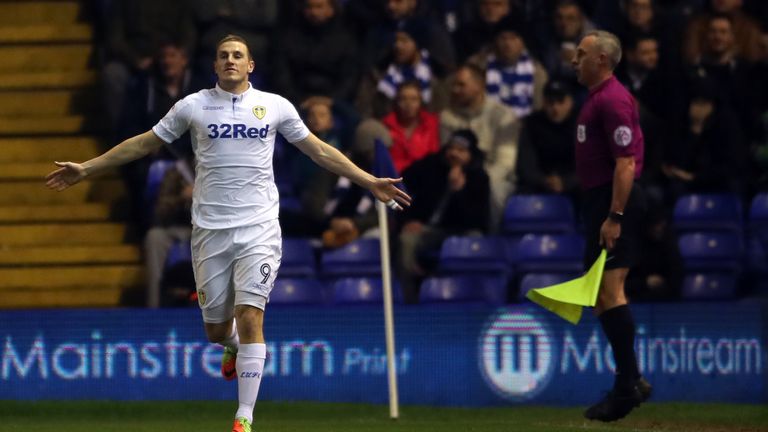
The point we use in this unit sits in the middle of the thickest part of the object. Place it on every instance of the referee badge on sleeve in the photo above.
(622, 136)
(581, 133)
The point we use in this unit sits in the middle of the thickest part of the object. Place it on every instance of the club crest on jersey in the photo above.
(259, 111)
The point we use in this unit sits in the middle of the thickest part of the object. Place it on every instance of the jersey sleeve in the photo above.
(620, 123)
(175, 122)
(291, 126)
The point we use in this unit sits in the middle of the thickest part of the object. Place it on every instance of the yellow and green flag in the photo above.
(566, 299)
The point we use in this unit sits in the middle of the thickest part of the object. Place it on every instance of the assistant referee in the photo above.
(609, 158)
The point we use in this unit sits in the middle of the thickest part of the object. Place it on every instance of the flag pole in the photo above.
(389, 321)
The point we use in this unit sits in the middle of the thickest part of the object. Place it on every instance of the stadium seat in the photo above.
(473, 255)
(361, 258)
(550, 253)
(297, 291)
(155, 177)
(178, 252)
(540, 280)
(362, 290)
(709, 286)
(538, 214)
(711, 251)
(298, 258)
(465, 288)
(708, 212)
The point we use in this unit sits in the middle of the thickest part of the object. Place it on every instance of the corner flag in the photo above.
(566, 299)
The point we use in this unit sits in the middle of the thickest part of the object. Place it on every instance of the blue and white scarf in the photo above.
(397, 74)
(512, 85)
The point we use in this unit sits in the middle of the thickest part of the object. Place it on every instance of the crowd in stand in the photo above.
(476, 100)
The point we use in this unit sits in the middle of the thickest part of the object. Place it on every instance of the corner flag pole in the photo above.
(389, 321)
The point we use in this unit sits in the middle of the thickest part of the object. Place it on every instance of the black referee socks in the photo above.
(619, 328)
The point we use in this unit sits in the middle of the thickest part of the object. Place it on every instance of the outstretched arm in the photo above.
(70, 173)
(333, 160)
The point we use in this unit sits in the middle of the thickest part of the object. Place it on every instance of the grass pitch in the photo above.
(70, 416)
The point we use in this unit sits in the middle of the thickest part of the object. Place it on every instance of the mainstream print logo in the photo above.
(516, 355)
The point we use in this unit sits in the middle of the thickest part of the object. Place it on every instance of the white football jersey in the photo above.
(233, 138)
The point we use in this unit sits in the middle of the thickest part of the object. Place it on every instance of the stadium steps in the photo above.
(48, 149)
(57, 249)
(45, 33)
(85, 212)
(68, 255)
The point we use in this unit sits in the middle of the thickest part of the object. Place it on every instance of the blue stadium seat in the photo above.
(709, 286)
(155, 176)
(297, 291)
(464, 288)
(538, 213)
(361, 258)
(473, 255)
(178, 252)
(550, 253)
(362, 290)
(540, 280)
(711, 251)
(298, 258)
(708, 212)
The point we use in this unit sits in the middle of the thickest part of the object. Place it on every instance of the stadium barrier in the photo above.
(447, 354)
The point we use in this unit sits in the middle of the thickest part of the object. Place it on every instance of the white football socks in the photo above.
(250, 365)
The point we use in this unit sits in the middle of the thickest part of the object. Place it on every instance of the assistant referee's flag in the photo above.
(566, 299)
(384, 167)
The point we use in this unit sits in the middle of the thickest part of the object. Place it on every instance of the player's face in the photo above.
(232, 62)
(405, 49)
(509, 47)
(491, 11)
(586, 63)
(408, 102)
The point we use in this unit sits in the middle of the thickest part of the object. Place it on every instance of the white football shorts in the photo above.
(235, 266)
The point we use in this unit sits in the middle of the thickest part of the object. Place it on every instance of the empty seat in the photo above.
(298, 258)
(464, 288)
(538, 213)
(473, 255)
(540, 280)
(711, 251)
(297, 291)
(709, 286)
(362, 290)
(179, 251)
(360, 258)
(550, 253)
(708, 212)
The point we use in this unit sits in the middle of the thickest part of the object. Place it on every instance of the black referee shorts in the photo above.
(595, 209)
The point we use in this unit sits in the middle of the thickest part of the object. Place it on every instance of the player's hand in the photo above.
(384, 190)
(68, 174)
(609, 233)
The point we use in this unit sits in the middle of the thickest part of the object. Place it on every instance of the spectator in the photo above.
(415, 132)
(451, 194)
(546, 160)
(408, 60)
(570, 25)
(641, 74)
(316, 56)
(494, 124)
(171, 223)
(478, 35)
(380, 37)
(512, 76)
(709, 156)
(658, 275)
(254, 20)
(152, 96)
(135, 30)
(746, 31)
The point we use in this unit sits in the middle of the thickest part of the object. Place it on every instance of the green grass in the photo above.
(325, 417)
